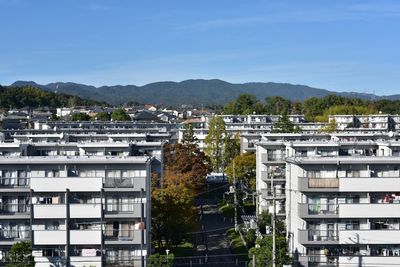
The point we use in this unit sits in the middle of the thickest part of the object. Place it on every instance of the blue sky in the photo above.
(343, 45)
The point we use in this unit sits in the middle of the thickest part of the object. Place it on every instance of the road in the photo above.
(216, 245)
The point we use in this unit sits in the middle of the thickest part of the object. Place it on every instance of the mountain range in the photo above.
(196, 92)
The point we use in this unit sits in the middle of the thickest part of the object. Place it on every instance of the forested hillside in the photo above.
(28, 96)
(195, 92)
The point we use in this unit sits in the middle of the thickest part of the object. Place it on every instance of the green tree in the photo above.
(245, 169)
(120, 115)
(188, 135)
(264, 220)
(80, 117)
(264, 252)
(284, 125)
(20, 255)
(330, 128)
(245, 104)
(103, 116)
(231, 148)
(214, 142)
(312, 107)
(160, 260)
(277, 105)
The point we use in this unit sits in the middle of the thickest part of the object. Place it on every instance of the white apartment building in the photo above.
(340, 195)
(253, 126)
(81, 204)
(370, 123)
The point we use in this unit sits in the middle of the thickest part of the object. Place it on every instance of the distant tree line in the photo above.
(28, 96)
(314, 108)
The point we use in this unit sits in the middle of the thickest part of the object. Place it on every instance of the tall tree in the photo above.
(214, 142)
(244, 169)
(173, 214)
(284, 125)
(185, 164)
(188, 134)
(231, 148)
(173, 207)
(245, 104)
(277, 105)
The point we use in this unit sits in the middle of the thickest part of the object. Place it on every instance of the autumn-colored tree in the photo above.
(173, 214)
(173, 208)
(245, 169)
(185, 164)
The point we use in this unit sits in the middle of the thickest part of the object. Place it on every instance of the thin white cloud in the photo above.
(295, 14)
(98, 7)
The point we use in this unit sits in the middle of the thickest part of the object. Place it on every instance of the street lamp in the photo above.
(167, 252)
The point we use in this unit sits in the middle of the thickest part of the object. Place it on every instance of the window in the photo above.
(53, 225)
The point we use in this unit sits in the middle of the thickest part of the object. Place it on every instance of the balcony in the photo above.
(131, 210)
(14, 184)
(375, 184)
(9, 237)
(80, 261)
(85, 210)
(49, 237)
(318, 184)
(368, 210)
(14, 211)
(381, 236)
(267, 194)
(74, 184)
(277, 177)
(135, 183)
(310, 211)
(49, 261)
(318, 237)
(85, 237)
(120, 237)
(49, 211)
(368, 261)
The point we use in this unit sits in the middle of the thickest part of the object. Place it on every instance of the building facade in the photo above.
(340, 195)
(81, 204)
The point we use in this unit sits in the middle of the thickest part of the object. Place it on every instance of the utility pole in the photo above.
(235, 196)
(273, 227)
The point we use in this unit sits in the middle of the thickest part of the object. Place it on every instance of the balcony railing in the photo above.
(10, 208)
(123, 235)
(131, 207)
(11, 235)
(315, 209)
(14, 182)
(122, 182)
(323, 183)
(323, 235)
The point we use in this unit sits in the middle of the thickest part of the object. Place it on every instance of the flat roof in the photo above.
(74, 160)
